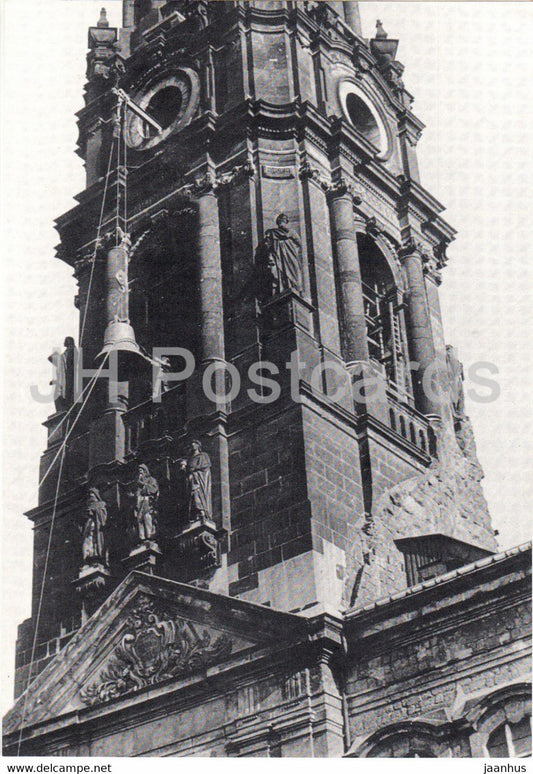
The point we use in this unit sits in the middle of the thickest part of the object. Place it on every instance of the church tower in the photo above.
(261, 404)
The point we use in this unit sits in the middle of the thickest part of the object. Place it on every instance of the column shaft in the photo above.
(352, 16)
(128, 13)
(421, 344)
(354, 334)
(210, 277)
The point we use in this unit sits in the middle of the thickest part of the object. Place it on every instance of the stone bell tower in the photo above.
(252, 209)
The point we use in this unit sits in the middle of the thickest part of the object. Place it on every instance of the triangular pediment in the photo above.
(150, 633)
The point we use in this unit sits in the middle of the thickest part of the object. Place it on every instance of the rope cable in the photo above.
(61, 451)
(68, 434)
(40, 603)
(125, 157)
(67, 414)
(88, 387)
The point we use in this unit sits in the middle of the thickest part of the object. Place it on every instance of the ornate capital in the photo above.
(410, 247)
(432, 261)
(373, 227)
(342, 187)
(236, 175)
(439, 253)
(307, 172)
(435, 261)
(212, 183)
(200, 186)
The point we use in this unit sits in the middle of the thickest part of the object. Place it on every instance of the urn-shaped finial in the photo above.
(380, 32)
(103, 20)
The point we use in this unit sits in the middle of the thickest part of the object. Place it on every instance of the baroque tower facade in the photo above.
(253, 209)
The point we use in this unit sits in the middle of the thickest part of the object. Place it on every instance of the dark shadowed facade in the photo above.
(305, 566)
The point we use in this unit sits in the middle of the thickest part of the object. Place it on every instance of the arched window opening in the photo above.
(402, 427)
(383, 315)
(401, 745)
(392, 417)
(511, 740)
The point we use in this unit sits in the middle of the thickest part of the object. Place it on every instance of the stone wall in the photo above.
(429, 655)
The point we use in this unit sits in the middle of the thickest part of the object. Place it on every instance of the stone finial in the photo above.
(381, 34)
(103, 21)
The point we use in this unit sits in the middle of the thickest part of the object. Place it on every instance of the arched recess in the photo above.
(501, 721)
(405, 739)
(383, 304)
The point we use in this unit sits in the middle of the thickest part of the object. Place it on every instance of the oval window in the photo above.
(363, 116)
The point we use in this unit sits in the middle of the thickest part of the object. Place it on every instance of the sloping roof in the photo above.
(440, 580)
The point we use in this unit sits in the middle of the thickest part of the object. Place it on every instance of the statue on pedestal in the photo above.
(456, 378)
(197, 469)
(64, 375)
(146, 494)
(93, 547)
(281, 261)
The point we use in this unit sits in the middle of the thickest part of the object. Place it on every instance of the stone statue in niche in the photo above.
(64, 364)
(146, 494)
(281, 260)
(197, 469)
(456, 378)
(93, 546)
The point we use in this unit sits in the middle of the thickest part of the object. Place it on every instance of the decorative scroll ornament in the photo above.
(410, 247)
(307, 172)
(433, 261)
(341, 187)
(155, 647)
(198, 550)
(332, 188)
(373, 227)
(235, 175)
(211, 182)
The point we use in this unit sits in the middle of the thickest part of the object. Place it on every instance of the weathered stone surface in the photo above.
(447, 499)
(417, 662)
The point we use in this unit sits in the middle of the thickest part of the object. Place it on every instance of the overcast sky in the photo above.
(468, 66)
